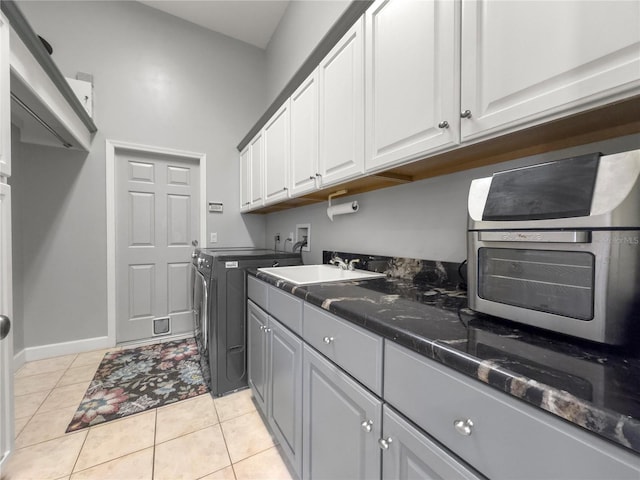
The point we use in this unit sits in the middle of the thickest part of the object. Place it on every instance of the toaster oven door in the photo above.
(553, 281)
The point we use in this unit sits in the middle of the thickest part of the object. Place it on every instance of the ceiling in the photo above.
(252, 21)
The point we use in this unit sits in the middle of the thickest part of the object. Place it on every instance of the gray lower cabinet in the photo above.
(275, 378)
(500, 436)
(342, 423)
(284, 405)
(409, 455)
(257, 354)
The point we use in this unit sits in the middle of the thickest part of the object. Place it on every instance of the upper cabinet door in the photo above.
(276, 155)
(412, 87)
(304, 137)
(256, 198)
(245, 179)
(5, 99)
(527, 62)
(341, 96)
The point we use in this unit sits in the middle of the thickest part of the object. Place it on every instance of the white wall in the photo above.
(159, 81)
(425, 219)
(302, 27)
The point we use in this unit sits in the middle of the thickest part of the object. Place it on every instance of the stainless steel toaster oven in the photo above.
(557, 246)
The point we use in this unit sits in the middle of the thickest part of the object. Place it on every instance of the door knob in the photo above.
(465, 114)
(5, 326)
(443, 124)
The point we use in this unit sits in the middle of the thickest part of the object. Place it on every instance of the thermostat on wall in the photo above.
(215, 207)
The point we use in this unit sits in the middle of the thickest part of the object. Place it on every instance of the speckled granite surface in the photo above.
(421, 306)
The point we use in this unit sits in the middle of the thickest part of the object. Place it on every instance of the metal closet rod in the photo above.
(40, 121)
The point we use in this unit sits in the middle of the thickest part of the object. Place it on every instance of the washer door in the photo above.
(200, 302)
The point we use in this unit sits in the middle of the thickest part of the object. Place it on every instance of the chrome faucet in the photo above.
(351, 262)
(339, 262)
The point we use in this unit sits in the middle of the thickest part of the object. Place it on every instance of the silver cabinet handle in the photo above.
(262, 327)
(463, 427)
(267, 330)
(5, 326)
(443, 124)
(328, 340)
(366, 425)
(465, 114)
(384, 443)
(312, 177)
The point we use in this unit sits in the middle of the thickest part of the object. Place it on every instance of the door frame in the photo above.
(112, 146)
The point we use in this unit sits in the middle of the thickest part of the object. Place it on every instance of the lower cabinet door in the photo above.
(341, 421)
(409, 454)
(284, 407)
(257, 354)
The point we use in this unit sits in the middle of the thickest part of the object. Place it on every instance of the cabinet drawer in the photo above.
(508, 438)
(356, 350)
(286, 308)
(257, 291)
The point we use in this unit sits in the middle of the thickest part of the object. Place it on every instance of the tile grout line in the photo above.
(155, 436)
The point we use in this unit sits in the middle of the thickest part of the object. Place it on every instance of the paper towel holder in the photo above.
(344, 208)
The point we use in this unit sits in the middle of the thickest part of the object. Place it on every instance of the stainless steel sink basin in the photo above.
(309, 274)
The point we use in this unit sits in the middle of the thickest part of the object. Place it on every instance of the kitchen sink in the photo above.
(309, 274)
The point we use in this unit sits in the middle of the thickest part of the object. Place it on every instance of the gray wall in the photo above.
(425, 219)
(302, 27)
(158, 81)
(17, 323)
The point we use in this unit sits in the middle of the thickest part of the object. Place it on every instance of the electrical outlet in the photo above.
(214, 237)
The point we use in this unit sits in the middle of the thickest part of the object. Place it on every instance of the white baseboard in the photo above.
(30, 354)
(18, 360)
(66, 348)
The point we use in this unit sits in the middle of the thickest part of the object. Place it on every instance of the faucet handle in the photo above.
(351, 262)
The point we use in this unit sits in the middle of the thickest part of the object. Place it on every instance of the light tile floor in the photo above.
(199, 438)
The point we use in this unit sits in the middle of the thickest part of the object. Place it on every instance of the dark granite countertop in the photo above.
(592, 386)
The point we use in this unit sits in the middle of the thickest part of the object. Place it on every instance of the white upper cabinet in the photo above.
(341, 109)
(276, 155)
(256, 196)
(245, 179)
(303, 164)
(529, 62)
(412, 87)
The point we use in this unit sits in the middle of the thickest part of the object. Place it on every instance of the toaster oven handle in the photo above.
(559, 236)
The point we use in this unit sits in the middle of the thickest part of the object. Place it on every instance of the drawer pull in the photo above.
(328, 340)
(267, 330)
(463, 427)
(366, 425)
(262, 327)
(384, 443)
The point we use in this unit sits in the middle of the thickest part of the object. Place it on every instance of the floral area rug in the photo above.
(137, 379)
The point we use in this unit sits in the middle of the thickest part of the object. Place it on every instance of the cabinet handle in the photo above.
(328, 340)
(318, 175)
(312, 177)
(384, 443)
(285, 188)
(443, 124)
(366, 425)
(463, 427)
(465, 114)
(262, 327)
(267, 330)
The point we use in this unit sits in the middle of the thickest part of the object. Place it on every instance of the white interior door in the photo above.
(6, 335)
(6, 301)
(156, 220)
